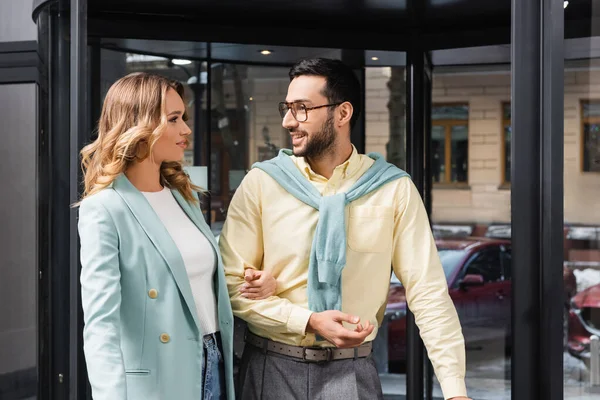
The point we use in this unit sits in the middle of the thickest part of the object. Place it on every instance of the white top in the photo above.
(197, 253)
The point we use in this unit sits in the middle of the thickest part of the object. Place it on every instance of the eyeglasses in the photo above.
(299, 110)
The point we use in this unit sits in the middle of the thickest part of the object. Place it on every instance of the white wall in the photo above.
(16, 23)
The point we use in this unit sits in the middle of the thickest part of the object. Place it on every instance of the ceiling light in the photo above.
(374, 58)
(265, 52)
(565, 4)
(251, 98)
(178, 61)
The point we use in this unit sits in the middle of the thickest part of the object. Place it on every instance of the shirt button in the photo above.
(164, 337)
(153, 293)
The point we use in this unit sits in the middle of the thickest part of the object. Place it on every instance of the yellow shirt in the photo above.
(269, 229)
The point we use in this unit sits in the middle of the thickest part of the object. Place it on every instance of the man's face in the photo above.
(316, 136)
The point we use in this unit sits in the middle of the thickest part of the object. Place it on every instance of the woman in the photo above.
(158, 322)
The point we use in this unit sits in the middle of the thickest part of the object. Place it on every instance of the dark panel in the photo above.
(18, 47)
(427, 186)
(244, 33)
(19, 75)
(226, 9)
(19, 62)
(525, 89)
(79, 134)
(552, 173)
(415, 126)
(356, 60)
(443, 14)
(43, 184)
(385, 25)
(59, 202)
(536, 198)
(499, 54)
(251, 32)
(207, 199)
(175, 49)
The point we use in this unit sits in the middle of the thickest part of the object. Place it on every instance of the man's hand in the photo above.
(328, 324)
(259, 284)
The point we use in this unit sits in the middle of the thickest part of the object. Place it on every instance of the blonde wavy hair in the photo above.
(133, 117)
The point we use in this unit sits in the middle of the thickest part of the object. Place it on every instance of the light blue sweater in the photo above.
(328, 252)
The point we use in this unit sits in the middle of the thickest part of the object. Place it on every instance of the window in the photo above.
(487, 264)
(450, 143)
(506, 257)
(590, 141)
(507, 134)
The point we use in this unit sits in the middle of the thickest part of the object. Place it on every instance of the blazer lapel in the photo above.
(158, 234)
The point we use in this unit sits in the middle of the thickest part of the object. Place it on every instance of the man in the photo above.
(329, 223)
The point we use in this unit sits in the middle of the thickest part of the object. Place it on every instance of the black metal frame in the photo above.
(79, 134)
(208, 137)
(537, 189)
(356, 60)
(416, 106)
(43, 185)
(59, 230)
(537, 88)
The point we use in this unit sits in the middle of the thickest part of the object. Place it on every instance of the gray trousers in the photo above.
(268, 376)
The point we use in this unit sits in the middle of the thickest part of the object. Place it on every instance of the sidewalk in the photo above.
(394, 388)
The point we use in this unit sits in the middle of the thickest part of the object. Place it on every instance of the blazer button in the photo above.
(153, 293)
(164, 337)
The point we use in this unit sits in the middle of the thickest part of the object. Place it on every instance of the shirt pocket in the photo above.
(370, 228)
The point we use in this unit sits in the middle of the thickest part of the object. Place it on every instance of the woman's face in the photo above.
(173, 141)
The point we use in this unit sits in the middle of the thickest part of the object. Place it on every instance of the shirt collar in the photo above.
(348, 168)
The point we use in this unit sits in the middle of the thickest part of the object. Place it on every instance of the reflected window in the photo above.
(451, 260)
(507, 134)
(450, 143)
(590, 126)
(245, 127)
(506, 257)
(487, 264)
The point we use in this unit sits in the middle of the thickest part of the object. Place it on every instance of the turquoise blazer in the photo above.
(142, 337)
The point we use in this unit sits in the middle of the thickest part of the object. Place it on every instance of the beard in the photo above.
(320, 143)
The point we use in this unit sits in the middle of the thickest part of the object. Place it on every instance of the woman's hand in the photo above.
(259, 284)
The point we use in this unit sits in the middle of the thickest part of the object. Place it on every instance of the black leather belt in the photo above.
(309, 354)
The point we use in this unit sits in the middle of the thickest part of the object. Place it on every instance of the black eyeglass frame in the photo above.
(284, 107)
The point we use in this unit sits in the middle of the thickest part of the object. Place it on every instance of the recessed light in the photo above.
(565, 4)
(251, 98)
(374, 58)
(265, 52)
(178, 61)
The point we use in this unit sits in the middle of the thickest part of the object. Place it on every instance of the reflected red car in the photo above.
(478, 272)
(584, 321)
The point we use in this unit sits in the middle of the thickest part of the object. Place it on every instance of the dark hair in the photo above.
(341, 83)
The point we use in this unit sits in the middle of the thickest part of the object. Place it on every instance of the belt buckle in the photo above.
(328, 351)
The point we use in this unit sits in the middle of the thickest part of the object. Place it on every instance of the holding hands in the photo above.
(259, 284)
